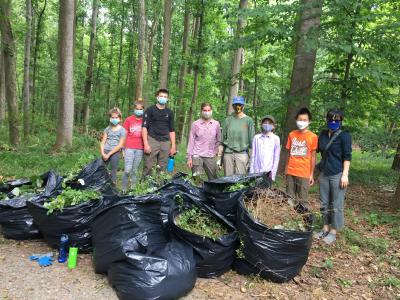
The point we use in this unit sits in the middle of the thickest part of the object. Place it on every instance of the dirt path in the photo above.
(364, 264)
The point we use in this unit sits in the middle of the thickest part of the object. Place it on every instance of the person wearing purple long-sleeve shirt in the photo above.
(266, 149)
(204, 144)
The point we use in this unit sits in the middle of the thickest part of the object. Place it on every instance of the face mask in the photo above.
(162, 100)
(138, 112)
(114, 121)
(302, 124)
(206, 114)
(334, 125)
(267, 127)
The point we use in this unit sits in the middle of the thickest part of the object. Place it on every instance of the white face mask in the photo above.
(206, 114)
(302, 124)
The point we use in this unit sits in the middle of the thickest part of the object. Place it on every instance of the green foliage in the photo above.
(345, 283)
(377, 245)
(392, 281)
(240, 249)
(328, 264)
(36, 187)
(70, 197)
(239, 186)
(151, 183)
(201, 223)
(375, 219)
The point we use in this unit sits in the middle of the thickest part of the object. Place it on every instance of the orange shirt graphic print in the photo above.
(298, 147)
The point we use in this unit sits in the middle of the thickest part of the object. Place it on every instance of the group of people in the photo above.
(150, 134)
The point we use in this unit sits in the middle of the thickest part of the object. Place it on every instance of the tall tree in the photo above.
(151, 39)
(166, 43)
(237, 57)
(65, 73)
(121, 44)
(299, 94)
(395, 202)
(9, 54)
(182, 73)
(396, 159)
(27, 64)
(2, 89)
(90, 61)
(141, 44)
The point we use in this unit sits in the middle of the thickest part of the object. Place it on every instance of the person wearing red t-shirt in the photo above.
(133, 146)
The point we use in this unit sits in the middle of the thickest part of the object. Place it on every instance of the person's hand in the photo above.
(344, 181)
(190, 163)
(147, 149)
(106, 156)
(172, 151)
(311, 181)
(103, 155)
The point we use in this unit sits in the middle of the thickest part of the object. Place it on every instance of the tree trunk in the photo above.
(166, 43)
(65, 73)
(35, 59)
(395, 201)
(255, 70)
(110, 68)
(27, 64)
(180, 115)
(151, 37)
(237, 57)
(141, 43)
(396, 160)
(2, 90)
(89, 68)
(299, 93)
(9, 53)
(121, 40)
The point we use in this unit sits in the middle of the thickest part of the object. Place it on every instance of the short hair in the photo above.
(334, 114)
(304, 111)
(115, 110)
(139, 102)
(204, 104)
(162, 91)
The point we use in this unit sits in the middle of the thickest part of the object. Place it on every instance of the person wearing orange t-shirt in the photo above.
(301, 145)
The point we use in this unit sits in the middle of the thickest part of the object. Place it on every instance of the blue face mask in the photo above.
(139, 112)
(334, 125)
(114, 121)
(162, 100)
(267, 127)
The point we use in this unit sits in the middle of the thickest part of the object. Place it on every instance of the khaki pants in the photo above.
(236, 163)
(298, 188)
(208, 164)
(158, 156)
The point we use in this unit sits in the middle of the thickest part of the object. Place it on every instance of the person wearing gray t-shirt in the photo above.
(112, 142)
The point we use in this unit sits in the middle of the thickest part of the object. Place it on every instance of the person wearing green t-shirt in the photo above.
(237, 137)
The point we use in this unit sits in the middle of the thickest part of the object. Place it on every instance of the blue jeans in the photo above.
(332, 200)
(112, 163)
(133, 157)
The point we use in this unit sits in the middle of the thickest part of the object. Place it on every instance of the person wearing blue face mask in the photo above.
(336, 150)
(266, 149)
(158, 134)
(112, 142)
(133, 152)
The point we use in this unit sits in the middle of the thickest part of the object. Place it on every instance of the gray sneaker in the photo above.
(330, 238)
(320, 234)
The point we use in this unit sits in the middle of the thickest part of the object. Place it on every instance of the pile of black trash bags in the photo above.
(135, 239)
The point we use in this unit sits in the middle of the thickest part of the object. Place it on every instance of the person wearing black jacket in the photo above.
(336, 150)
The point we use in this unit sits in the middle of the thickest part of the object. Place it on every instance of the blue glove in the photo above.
(45, 261)
(37, 256)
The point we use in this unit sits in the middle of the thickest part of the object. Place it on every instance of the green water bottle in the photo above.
(72, 257)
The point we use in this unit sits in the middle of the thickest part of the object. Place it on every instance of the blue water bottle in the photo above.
(63, 251)
(171, 163)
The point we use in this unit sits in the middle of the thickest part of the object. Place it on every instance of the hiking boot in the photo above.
(330, 238)
(320, 235)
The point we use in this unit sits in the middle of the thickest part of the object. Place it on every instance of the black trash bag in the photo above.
(94, 176)
(226, 202)
(274, 254)
(7, 186)
(131, 225)
(17, 223)
(213, 257)
(178, 185)
(169, 273)
(72, 220)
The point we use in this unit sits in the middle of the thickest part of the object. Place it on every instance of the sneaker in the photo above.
(330, 238)
(320, 235)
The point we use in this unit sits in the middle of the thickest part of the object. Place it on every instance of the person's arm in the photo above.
(219, 144)
(253, 154)
(288, 146)
(347, 149)
(145, 126)
(277, 153)
(102, 143)
(313, 160)
(252, 133)
(120, 144)
(190, 147)
(172, 151)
